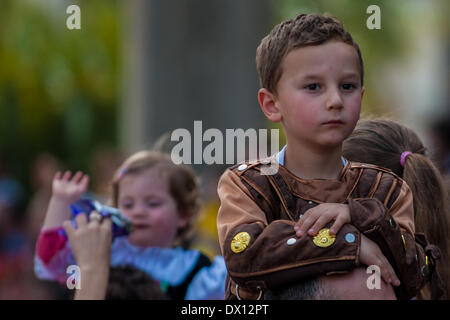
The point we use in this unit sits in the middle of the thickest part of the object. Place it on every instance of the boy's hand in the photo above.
(316, 218)
(371, 255)
(69, 189)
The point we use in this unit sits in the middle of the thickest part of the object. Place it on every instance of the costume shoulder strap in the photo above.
(269, 191)
(179, 292)
(376, 182)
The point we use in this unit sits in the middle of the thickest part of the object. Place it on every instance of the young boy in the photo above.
(271, 226)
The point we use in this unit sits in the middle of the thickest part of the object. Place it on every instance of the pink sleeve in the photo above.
(49, 242)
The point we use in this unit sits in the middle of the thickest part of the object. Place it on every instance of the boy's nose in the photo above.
(334, 100)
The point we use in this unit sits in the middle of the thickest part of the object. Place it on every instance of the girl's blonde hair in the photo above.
(182, 182)
(382, 142)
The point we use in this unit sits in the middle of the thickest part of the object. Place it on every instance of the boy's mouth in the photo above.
(334, 121)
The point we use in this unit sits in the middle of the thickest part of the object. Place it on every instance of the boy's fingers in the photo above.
(391, 272)
(384, 271)
(81, 220)
(303, 217)
(298, 224)
(395, 281)
(320, 223)
(337, 225)
(307, 223)
(300, 221)
(388, 274)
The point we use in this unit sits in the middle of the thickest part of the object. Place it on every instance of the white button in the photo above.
(310, 202)
(242, 167)
(291, 241)
(350, 237)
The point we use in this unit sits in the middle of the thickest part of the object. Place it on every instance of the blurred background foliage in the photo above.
(61, 91)
(58, 88)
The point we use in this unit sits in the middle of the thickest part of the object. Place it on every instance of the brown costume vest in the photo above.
(369, 191)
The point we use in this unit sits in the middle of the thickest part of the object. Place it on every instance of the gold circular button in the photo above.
(240, 242)
(324, 238)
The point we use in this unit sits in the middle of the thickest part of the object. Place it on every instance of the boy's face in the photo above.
(319, 94)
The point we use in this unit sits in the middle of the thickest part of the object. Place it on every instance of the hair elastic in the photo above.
(122, 172)
(403, 157)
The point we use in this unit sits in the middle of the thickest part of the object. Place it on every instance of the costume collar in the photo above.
(320, 190)
(171, 265)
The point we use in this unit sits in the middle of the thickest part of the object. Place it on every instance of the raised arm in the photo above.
(53, 254)
(65, 190)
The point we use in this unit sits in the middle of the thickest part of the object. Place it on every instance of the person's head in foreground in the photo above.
(354, 285)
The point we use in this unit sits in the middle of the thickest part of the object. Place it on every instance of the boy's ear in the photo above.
(362, 95)
(267, 101)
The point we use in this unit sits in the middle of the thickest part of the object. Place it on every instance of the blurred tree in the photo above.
(376, 45)
(58, 87)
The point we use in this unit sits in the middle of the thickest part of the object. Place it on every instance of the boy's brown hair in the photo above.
(182, 182)
(304, 30)
(382, 142)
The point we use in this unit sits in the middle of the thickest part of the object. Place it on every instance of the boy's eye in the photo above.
(348, 86)
(312, 87)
